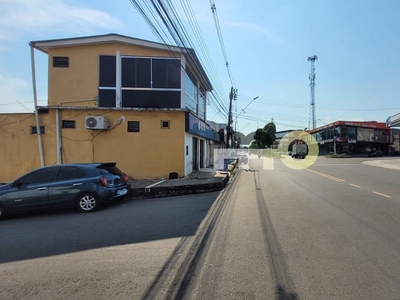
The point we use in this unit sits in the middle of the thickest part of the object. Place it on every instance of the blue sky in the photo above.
(267, 44)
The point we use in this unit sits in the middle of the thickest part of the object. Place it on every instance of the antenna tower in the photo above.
(312, 119)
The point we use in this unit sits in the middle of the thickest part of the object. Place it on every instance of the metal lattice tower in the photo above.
(312, 123)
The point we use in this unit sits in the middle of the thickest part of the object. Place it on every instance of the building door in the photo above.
(201, 153)
(195, 154)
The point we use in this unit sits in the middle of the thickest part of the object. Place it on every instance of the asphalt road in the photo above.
(330, 231)
(128, 250)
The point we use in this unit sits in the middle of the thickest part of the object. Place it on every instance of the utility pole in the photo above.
(229, 129)
(312, 118)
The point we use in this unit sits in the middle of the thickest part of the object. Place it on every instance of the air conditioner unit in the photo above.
(96, 122)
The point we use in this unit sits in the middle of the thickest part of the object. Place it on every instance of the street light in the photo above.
(244, 108)
(333, 137)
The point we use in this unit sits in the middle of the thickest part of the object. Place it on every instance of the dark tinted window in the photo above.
(68, 173)
(166, 73)
(128, 72)
(159, 73)
(107, 98)
(109, 169)
(143, 72)
(173, 73)
(107, 71)
(39, 176)
(151, 98)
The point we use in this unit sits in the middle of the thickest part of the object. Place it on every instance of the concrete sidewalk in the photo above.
(388, 163)
(202, 181)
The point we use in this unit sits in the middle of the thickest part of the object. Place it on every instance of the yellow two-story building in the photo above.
(115, 98)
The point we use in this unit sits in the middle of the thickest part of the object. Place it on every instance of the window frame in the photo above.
(34, 130)
(163, 122)
(133, 126)
(71, 122)
(60, 61)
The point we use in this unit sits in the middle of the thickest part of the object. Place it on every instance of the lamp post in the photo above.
(245, 108)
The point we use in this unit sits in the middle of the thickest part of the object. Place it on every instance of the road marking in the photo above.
(147, 188)
(326, 175)
(357, 186)
(383, 195)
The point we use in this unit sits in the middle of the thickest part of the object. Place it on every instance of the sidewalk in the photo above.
(388, 163)
(202, 181)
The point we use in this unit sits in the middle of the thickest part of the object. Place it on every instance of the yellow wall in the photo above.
(151, 153)
(19, 151)
(81, 80)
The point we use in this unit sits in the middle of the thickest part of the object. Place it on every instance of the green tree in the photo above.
(258, 138)
(253, 145)
(264, 137)
(269, 131)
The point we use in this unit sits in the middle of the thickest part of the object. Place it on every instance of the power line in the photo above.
(165, 21)
(221, 40)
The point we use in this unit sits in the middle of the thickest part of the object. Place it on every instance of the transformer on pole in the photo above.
(312, 123)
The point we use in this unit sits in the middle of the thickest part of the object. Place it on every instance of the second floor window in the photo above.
(145, 82)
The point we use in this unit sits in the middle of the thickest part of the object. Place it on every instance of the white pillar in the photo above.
(118, 69)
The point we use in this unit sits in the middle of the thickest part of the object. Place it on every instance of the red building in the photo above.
(355, 137)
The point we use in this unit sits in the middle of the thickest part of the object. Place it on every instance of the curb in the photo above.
(177, 189)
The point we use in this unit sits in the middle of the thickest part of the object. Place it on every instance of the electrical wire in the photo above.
(221, 40)
(166, 23)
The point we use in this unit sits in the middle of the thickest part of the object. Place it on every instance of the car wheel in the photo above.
(87, 202)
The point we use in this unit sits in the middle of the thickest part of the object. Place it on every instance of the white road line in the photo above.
(380, 194)
(357, 186)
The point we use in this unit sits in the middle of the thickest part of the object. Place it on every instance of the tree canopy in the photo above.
(264, 137)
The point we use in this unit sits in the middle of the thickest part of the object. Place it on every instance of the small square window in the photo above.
(133, 126)
(34, 130)
(60, 62)
(68, 124)
(164, 124)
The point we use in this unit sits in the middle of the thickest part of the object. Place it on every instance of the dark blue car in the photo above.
(84, 186)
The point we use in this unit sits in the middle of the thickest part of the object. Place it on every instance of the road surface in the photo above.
(330, 231)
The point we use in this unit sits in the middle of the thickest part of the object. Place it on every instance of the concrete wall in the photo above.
(151, 153)
(80, 81)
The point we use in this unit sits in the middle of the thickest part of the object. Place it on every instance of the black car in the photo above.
(376, 153)
(84, 186)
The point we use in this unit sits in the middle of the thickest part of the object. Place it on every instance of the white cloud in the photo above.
(19, 16)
